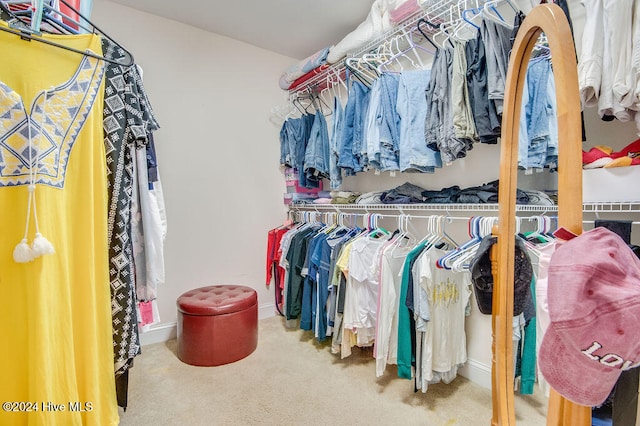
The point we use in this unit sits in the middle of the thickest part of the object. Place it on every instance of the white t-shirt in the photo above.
(361, 296)
(444, 342)
(386, 346)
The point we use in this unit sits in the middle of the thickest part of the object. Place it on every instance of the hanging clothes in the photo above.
(386, 346)
(497, 42)
(414, 155)
(441, 347)
(484, 111)
(538, 132)
(56, 308)
(128, 119)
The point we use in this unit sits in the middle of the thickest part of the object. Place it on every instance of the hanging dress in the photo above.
(57, 349)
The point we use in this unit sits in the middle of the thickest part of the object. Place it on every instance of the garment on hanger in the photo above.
(538, 139)
(335, 172)
(57, 307)
(484, 111)
(386, 345)
(414, 155)
(441, 347)
(463, 125)
(608, 64)
(149, 224)
(497, 40)
(128, 121)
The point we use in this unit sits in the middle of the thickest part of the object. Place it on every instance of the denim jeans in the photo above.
(372, 127)
(537, 119)
(307, 121)
(316, 159)
(291, 135)
(351, 143)
(335, 173)
(414, 155)
(361, 105)
(390, 122)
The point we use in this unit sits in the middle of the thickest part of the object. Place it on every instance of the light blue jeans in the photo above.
(538, 147)
(361, 105)
(414, 154)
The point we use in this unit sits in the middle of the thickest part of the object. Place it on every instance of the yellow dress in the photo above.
(56, 356)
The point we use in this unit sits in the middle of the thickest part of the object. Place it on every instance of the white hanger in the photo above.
(490, 11)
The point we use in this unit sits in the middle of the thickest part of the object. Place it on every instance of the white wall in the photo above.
(217, 151)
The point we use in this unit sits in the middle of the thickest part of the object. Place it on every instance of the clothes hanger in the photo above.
(476, 11)
(465, 23)
(412, 47)
(22, 18)
(437, 233)
(405, 238)
(375, 230)
(391, 57)
(490, 11)
(50, 15)
(426, 37)
(462, 260)
(29, 34)
(446, 261)
(415, 46)
(353, 66)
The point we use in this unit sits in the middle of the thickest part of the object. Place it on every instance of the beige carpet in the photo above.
(291, 380)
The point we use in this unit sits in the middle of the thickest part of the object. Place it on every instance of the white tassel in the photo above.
(41, 246)
(23, 253)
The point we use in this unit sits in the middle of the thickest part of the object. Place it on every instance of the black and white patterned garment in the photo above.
(128, 119)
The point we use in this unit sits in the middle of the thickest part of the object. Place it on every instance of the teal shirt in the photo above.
(405, 354)
(528, 362)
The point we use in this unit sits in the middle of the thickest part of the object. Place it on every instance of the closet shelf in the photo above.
(609, 207)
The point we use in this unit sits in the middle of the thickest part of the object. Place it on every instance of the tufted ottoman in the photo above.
(217, 324)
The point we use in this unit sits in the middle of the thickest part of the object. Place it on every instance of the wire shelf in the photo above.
(614, 207)
(435, 13)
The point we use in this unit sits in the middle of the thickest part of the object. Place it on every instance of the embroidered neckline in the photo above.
(68, 106)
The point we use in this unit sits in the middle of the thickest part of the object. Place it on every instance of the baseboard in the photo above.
(159, 333)
(267, 311)
(166, 331)
(477, 372)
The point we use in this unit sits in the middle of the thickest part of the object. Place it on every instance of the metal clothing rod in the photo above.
(591, 208)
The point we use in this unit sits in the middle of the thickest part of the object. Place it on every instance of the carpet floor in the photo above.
(292, 380)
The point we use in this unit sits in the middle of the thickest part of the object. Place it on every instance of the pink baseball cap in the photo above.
(594, 308)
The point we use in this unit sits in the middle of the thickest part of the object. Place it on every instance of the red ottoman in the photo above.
(217, 324)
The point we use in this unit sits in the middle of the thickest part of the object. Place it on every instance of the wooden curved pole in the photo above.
(551, 20)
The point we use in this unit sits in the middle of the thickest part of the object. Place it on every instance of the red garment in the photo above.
(274, 270)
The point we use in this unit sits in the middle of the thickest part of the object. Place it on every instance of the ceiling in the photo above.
(294, 28)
